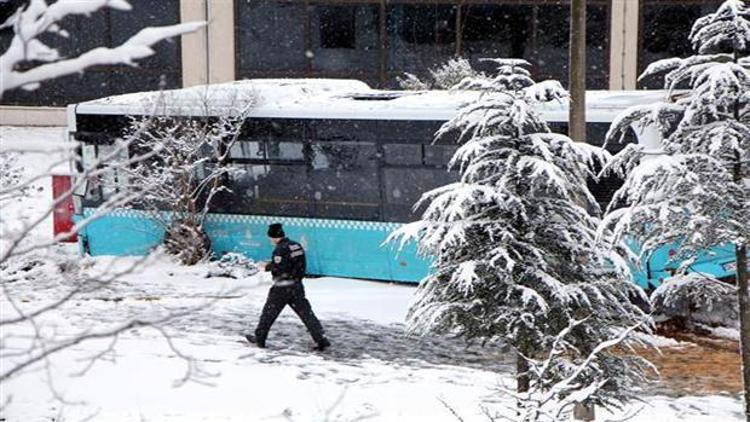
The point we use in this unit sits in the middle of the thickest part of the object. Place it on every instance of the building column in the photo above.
(221, 43)
(194, 45)
(623, 50)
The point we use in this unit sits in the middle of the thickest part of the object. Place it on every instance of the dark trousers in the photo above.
(294, 296)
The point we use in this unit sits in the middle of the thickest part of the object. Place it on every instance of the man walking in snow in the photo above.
(287, 266)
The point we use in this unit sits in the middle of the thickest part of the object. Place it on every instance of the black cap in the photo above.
(275, 230)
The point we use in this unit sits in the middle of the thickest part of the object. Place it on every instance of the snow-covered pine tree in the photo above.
(696, 190)
(515, 257)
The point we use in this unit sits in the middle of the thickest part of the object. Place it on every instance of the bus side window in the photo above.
(439, 155)
(402, 154)
(404, 186)
(88, 161)
(246, 149)
(344, 177)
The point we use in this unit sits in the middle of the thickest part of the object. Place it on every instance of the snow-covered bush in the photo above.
(515, 255)
(232, 265)
(444, 76)
(412, 82)
(452, 72)
(695, 299)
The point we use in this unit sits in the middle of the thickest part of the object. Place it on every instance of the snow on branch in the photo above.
(39, 18)
(551, 399)
(30, 334)
(727, 28)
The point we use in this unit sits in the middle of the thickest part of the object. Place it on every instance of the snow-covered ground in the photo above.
(372, 371)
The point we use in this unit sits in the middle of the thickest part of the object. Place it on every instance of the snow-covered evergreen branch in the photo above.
(39, 18)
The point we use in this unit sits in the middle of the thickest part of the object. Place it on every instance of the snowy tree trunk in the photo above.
(522, 379)
(744, 303)
(577, 115)
(742, 288)
(522, 369)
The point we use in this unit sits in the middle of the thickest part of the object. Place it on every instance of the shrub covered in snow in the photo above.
(232, 265)
(412, 82)
(444, 76)
(696, 299)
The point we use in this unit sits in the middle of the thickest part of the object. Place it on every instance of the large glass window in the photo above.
(378, 41)
(402, 154)
(664, 29)
(345, 39)
(269, 170)
(404, 186)
(412, 165)
(271, 38)
(538, 33)
(420, 36)
(407, 131)
(289, 38)
(274, 140)
(106, 28)
(274, 189)
(344, 170)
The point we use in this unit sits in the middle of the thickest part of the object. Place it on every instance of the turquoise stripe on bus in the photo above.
(344, 248)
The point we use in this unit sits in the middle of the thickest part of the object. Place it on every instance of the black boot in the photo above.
(252, 339)
(322, 345)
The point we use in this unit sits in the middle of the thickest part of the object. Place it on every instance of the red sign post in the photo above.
(63, 213)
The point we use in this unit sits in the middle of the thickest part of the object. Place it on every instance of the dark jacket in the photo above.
(287, 261)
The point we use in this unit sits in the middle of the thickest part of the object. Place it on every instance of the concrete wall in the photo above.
(32, 116)
(623, 51)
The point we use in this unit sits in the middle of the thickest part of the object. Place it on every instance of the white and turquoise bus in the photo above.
(338, 163)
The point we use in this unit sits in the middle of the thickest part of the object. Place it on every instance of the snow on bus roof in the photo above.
(335, 99)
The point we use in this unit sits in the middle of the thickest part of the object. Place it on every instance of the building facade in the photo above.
(372, 40)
